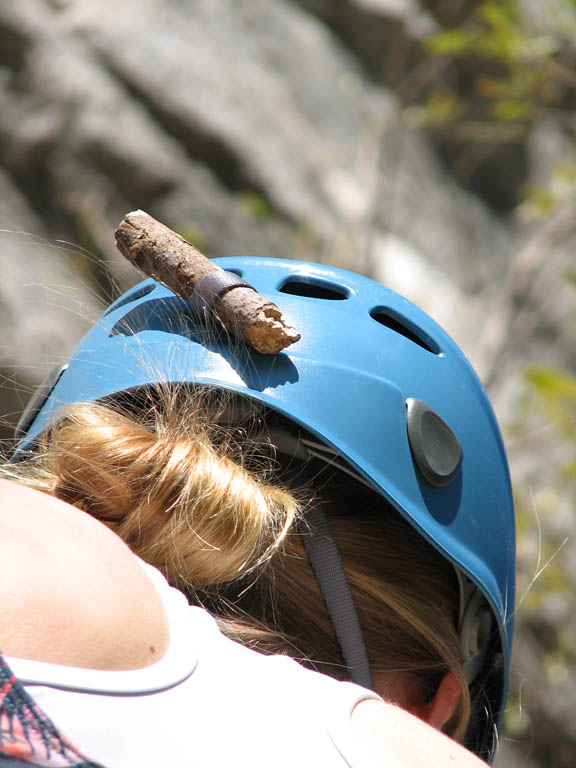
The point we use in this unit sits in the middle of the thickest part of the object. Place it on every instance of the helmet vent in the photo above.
(314, 289)
(139, 294)
(400, 325)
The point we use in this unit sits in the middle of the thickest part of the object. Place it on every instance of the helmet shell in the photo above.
(364, 352)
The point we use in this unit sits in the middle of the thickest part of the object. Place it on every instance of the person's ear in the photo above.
(438, 711)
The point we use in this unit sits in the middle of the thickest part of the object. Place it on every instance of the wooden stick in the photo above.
(164, 255)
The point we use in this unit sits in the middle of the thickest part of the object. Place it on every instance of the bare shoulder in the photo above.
(71, 592)
(388, 736)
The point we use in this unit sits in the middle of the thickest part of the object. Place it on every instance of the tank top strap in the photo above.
(178, 663)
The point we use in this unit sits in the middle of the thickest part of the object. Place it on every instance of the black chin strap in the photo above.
(327, 566)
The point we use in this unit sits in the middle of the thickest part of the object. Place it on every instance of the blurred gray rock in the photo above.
(248, 126)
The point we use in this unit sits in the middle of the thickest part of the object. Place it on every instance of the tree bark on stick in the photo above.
(161, 253)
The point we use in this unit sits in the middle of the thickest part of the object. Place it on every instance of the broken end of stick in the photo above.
(127, 232)
(270, 334)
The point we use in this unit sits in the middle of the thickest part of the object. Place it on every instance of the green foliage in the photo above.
(545, 618)
(523, 73)
(499, 31)
(557, 392)
(443, 107)
(494, 32)
(193, 234)
(540, 202)
(256, 204)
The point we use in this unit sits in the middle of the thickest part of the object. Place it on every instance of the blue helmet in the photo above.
(375, 380)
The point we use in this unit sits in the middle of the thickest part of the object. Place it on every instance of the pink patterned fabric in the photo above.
(27, 735)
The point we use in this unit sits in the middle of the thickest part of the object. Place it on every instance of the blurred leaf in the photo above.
(442, 108)
(512, 109)
(256, 204)
(539, 201)
(552, 384)
(193, 234)
(571, 273)
(450, 42)
(501, 16)
(557, 392)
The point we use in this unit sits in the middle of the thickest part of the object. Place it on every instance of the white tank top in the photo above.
(208, 702)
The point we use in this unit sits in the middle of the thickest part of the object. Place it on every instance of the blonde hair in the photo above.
(195, 498)
(168, 486)
(405, 593)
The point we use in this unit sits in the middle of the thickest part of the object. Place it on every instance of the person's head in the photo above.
(375, 419)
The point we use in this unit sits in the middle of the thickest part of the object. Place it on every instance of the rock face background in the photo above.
(293, 129)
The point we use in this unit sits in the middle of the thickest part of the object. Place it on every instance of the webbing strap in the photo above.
(213, 287)
(327, 566)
